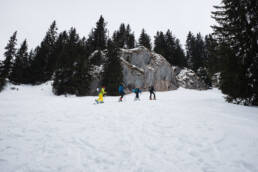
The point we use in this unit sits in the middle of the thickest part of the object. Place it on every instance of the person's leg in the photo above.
(121, 97)
(136, 96)
(101, 98)
(150, 95)
(154, 96)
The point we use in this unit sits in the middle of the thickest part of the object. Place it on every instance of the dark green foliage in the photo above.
(160, 44)
(180, 59)
(2, 79)
(8, 62)
(213, 62)
(20, 70)
(112, 76)
(202, 72)
(123, 37)
(195, 51)
(96, 58)
(43, 64)
(99, 37)
(237, 35)
(145, 40)
(232, 77)
(201, 56)
(169, 47)
(72, 74)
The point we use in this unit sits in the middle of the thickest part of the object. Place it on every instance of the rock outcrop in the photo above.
(143, 68)
(187, 78)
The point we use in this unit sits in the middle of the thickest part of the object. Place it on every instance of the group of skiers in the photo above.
(137, 91)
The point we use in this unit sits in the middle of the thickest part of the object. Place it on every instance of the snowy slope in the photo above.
(183, 131)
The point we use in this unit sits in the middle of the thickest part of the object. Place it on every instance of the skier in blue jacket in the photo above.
(121, 92)
(137, 91)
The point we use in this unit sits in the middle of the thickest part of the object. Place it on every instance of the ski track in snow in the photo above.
(182, 131)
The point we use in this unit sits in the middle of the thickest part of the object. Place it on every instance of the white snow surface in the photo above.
(182, 131)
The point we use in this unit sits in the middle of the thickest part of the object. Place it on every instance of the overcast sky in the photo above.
(31, 18)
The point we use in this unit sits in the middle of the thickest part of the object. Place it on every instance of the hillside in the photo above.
(182, 131)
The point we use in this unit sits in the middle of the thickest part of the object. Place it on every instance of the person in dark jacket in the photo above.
(152, 91)
(121, 92)
(137, 91)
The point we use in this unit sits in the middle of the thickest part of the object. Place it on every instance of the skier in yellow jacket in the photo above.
(101, 94)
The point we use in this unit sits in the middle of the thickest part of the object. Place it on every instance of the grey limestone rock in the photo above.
(143, 68)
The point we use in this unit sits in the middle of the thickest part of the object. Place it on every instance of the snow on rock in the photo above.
(182, 131)
(188, 79)
(216, 79)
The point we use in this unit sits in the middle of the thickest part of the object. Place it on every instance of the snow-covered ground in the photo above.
(183, 131)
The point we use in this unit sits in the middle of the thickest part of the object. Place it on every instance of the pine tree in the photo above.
(237, 32)
(119, 37)
(212, 56)
(123, 37)
(112, 76)
(190, 50)
(7, 63)
(145, 40)
(130, 39)
(2, 78)
(195, 50)
(72, 73)
(160, 44)
(99, 35)
(44, 62)
(180, 59)
(202, 72)
(169, 47)
(19, 72)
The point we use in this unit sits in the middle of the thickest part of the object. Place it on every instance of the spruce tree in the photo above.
(200, 57)
(160, 43)
(145, 40)
(43, 64)
(237, 33)
(170, 48)
(180, 59)
(213, 62)
(195, 51)
(72, 73)
(112, 76)
(99, 35)
(130, 39)
(2, 78)
(19, 73)
(119, 37)
(8, 62)
(123, 37)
